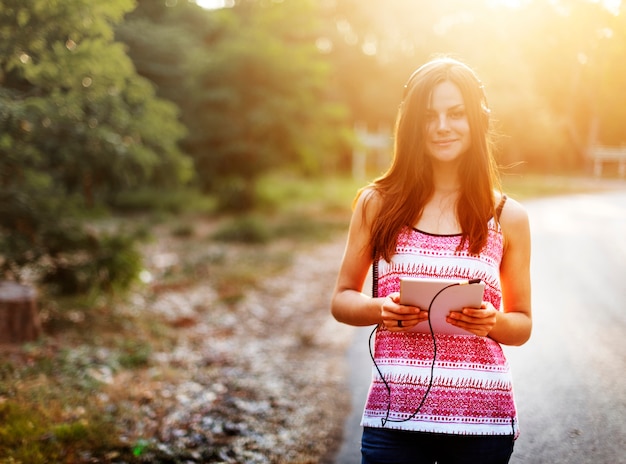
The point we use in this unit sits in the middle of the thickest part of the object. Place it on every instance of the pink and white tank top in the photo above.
(471, 391)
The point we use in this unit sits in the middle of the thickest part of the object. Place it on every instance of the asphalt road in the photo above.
(570, 378)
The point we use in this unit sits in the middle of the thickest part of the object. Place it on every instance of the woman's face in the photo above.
(447, 126)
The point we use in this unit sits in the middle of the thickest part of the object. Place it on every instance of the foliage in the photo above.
(73, 107)
(153, 200)
(95, 386)
(92, 262)
(251, 85)
(266, 85)
(244, 229)
(577, 75)
(57, 443)
(551, 68)
(62, 424)
(77, 125)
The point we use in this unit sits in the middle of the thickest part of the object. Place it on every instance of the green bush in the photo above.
(244, 229)
(151, 200)
(88, 261)
(235, 194)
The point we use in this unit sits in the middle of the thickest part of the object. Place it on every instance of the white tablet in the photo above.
(421, 291)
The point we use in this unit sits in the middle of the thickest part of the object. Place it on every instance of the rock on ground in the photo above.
(263, 380)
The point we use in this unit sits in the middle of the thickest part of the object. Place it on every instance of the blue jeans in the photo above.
(386, 446)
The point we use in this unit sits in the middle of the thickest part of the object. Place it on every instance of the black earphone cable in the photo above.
(386, 419)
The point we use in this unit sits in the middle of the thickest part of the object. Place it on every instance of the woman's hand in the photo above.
(478, 321)
(400, 318)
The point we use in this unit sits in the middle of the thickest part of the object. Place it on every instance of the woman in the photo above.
(437, 211)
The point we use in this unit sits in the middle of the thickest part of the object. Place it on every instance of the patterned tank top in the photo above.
(471, 391)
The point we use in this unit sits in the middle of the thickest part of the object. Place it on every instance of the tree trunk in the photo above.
(19, 319)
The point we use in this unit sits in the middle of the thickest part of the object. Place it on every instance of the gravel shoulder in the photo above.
(263, 380)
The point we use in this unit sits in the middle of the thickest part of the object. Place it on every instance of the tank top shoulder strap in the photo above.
(374, 276)
(500, 206)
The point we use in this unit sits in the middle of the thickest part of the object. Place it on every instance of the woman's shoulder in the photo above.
(512, 212)
(368, 200)
(513, 220)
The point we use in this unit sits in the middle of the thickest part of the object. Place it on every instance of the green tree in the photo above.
(552, 69)
(251, 84)
(77, 124)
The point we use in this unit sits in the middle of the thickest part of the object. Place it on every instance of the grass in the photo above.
(53, 404)
(22, 424)
(51, 392)
(49, 412)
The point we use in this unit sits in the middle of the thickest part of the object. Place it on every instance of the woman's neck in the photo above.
(439, 213)
(446, 180)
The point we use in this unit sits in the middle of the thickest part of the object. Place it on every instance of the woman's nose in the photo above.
(443, 124)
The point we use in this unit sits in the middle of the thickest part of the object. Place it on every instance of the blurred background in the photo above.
(209, 122)
(104, 105)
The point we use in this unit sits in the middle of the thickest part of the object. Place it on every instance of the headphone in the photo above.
(452, 62)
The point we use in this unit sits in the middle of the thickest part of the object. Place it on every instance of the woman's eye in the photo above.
(457, 114)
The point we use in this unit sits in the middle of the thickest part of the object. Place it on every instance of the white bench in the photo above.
(601, 154)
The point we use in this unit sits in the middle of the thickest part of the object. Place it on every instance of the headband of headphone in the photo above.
(453, 62)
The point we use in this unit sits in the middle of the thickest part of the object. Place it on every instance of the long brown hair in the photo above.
(407, 185)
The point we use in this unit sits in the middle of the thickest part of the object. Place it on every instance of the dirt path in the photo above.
(263, 380)
(295, 352)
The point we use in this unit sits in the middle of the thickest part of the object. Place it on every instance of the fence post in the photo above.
(378, 142)
(601, 154)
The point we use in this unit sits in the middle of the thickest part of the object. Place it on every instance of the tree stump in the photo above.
(19, 318)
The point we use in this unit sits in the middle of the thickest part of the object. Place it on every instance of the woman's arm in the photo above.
(349, 305)
(514, 323)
